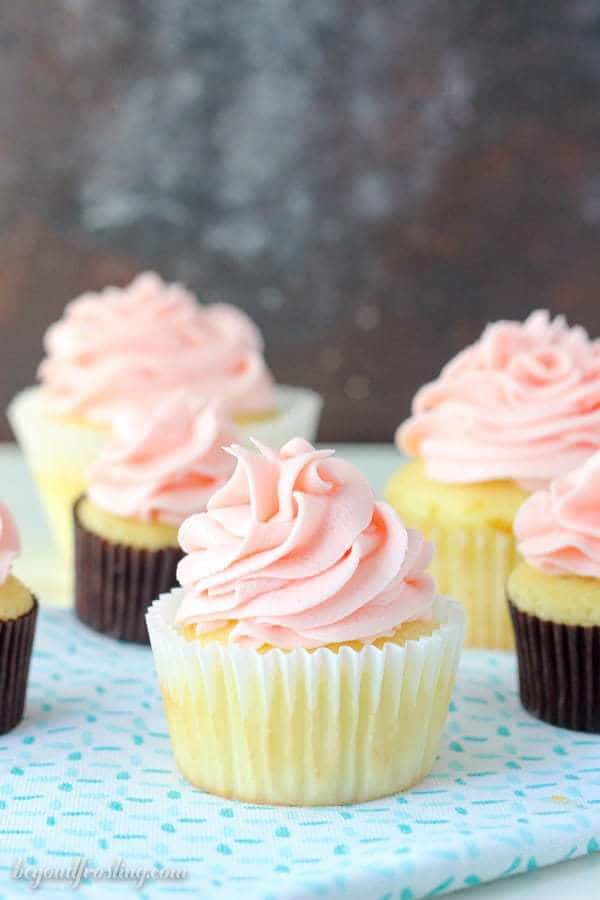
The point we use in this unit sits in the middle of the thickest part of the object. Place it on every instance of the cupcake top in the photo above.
(558, 530)
(10, 545)
(123, 348)
(522, 403)
(163, 466)
(294, 551)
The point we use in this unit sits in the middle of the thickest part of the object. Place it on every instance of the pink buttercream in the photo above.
(558, 530)
(10, 545)
(523, 403)
(125, 347)
(295, 550)
(163, 466)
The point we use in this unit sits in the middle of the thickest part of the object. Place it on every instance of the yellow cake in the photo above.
(125, 529)
(471, 528)
(564, 599)
(15, 599)
(251, 420)
(409, 631)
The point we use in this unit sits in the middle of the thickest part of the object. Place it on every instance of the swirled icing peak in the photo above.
(558, 530)
(123, 348)
(522, 403)
(294, 551)
(10, 545)
(165, 465)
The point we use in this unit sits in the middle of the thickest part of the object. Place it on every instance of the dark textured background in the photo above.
(372, 181)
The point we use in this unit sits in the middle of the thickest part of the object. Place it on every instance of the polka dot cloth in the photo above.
(90, 774)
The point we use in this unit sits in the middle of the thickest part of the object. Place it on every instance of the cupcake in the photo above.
(157, 469)
(508, 414)
(18, 614)
(554, 600)
(306, 658)
(125, 348)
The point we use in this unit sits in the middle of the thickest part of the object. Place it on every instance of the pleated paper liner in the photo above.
(305, 727)
(115, 583)
(472, 565)
(559, 671)
(16, 642)
(59, 452)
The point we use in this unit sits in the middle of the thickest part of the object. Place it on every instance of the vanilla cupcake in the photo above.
(306, 659)
(516, 409)
(157, 470)
(124, 349)
(18, 615)
(554, 599)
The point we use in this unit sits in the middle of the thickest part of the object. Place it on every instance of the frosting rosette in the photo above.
(163, 466)
(123, 348)
(294, 551)
(558, 530)
(522, 403)
(10, 544)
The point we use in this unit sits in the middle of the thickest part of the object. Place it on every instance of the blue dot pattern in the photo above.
(89, 773)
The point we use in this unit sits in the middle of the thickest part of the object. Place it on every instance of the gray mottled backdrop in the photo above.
(372, 181)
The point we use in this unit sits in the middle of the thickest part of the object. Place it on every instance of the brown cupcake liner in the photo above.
(115, 583)
(559, 671)
(16, 643)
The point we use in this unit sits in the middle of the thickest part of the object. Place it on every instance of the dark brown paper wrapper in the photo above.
(16, 642)
(115, 584)
(559, 671)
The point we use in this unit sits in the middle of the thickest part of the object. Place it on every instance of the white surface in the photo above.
(40, 568)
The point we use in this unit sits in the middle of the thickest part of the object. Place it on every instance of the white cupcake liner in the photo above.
(59, 453)
(305, 727)
(298, 414)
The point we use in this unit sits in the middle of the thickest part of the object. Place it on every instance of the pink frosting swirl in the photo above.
(163, 466)
(10, 545)
(295, 550)
(523, 403)
(125, 347)
(558, 530)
